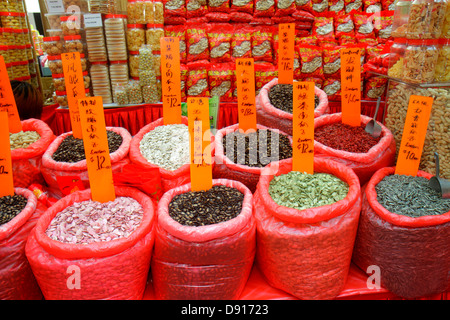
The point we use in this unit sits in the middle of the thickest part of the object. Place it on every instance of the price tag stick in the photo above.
(73, 78)
(171, 82)
(413, 137)
(303, 127)
(200, 138)
(286, 44)
(96, 149)
(351, 86)
(245, 78)
(6, 172)
(7, 100)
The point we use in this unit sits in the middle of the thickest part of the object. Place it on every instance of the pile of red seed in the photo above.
(344, 137)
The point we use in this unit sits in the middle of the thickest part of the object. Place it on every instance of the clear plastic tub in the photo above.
(426, 19)
(135, 36)
(115, 34)
(74, 44)
(420, 60)
(96, 45)
(71, 25)
(100, 81)
(7, 37)
(396, 58)
(14, 20)
(442, 72)
(53, 46)
(55, 64)
(133, 63)
(401, 16)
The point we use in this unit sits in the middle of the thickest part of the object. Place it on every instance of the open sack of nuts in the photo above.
(241, 156)
(18, 216)
(404, 229)
(65, 157)
(306, 226)
(165, 147)
(274, 112)
(27, 148)
(205, 242)
(353, 146)
(83, 249)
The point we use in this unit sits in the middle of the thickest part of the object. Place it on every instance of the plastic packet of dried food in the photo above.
(383, 25)
(174, 8)
(262, 44)
(369, 40)
(218, 16)
(178, 31)
(343, 25)
(242, 17)
(220, 79)
(388, 4)
(197, 84)
(196, 8)
(318, 81)
(322, 42)
(197, 42)
(219, 37)
(332, 61)
(264, 73)
(284, 8)
(183, 80)
(346, 39)
(245, 6)
(332, 88)
(323, 26)
(372, 6)
(374, 87)
(309, 40)
(305, 5)
(241, 42)
(282, 19)
(302, 15)
(219, 6)
(264, 8)
(319, 6)
(310, 60)
(351, 5)
(302, 26)
(374, 51)
(172, 20)
(337, 6)
(364, 24)
(258, 21)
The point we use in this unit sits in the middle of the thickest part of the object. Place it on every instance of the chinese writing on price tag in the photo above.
(351, 86)
(96, 149)
(6, 175)
(303, 127)
(413, 137)
(7, 100)
(245, 78)
(286, 42)
(199, 131)
(170, 75)
(73, 78)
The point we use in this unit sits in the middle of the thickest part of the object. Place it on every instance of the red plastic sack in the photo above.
(17, 281)
(26, 163)
(306, 253)
(52, 169)
(225, 168)
(115, 270)
(412, 253)
(272, 117)
(207, 262)
(364, 164)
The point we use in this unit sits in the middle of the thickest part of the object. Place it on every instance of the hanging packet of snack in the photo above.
(219, 6)
(241, 42)
(363, 24)
(323, 27)
(219, 37)
(178, 31)
(343, 25)
(332, 61)
(310, 61)
(197, 79)
(351, 5)
(337, 6)
(264, 8)
(383, 25)
(220, 79)
(197, 42)
(245, 6)
(284, 8)
(262, 44)
(174, 8)
(319, 6)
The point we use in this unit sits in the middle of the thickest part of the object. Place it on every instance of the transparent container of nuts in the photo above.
(55, 64)
(14, 20)
(120, 93)
(73, 44)
(442, 73)
(61, 99)
(5, 53)
(395, 68)
(71, 25)
(158, 12)
(420, 60)
(96, 44)
(135, 36)
(426, 19)
(17, 53)
(53, 46)
(20, 69)
(59, 82)
(115, 34)
(118, 72)
(54, 20)
(22, 36)
(81, 5)
(133, 63)
(153, 35)
(101, 85)
(134, 91)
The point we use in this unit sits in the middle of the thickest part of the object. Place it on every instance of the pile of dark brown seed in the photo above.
(72, 149)
(280, 96)
(199, 208)
(11, 206)
(266, 141)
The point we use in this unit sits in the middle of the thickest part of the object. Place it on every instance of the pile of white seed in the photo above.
(167, 146)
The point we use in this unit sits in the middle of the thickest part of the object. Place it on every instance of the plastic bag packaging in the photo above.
(364, 164)
(115, 270)
(306, 253)
(272, 117)
(26, 163)
(411, 253)
(225, 168)
(17, 281)
(52, 169)
(210, 262)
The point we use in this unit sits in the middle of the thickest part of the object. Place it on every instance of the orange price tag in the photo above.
(286, 43)
(413, 137)
(303, 127)
(245, 78)
(171, 82)
(7, 100)
(351, 86)
(199, 130)
(96, 149)
(6, 172)
(73, 78)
